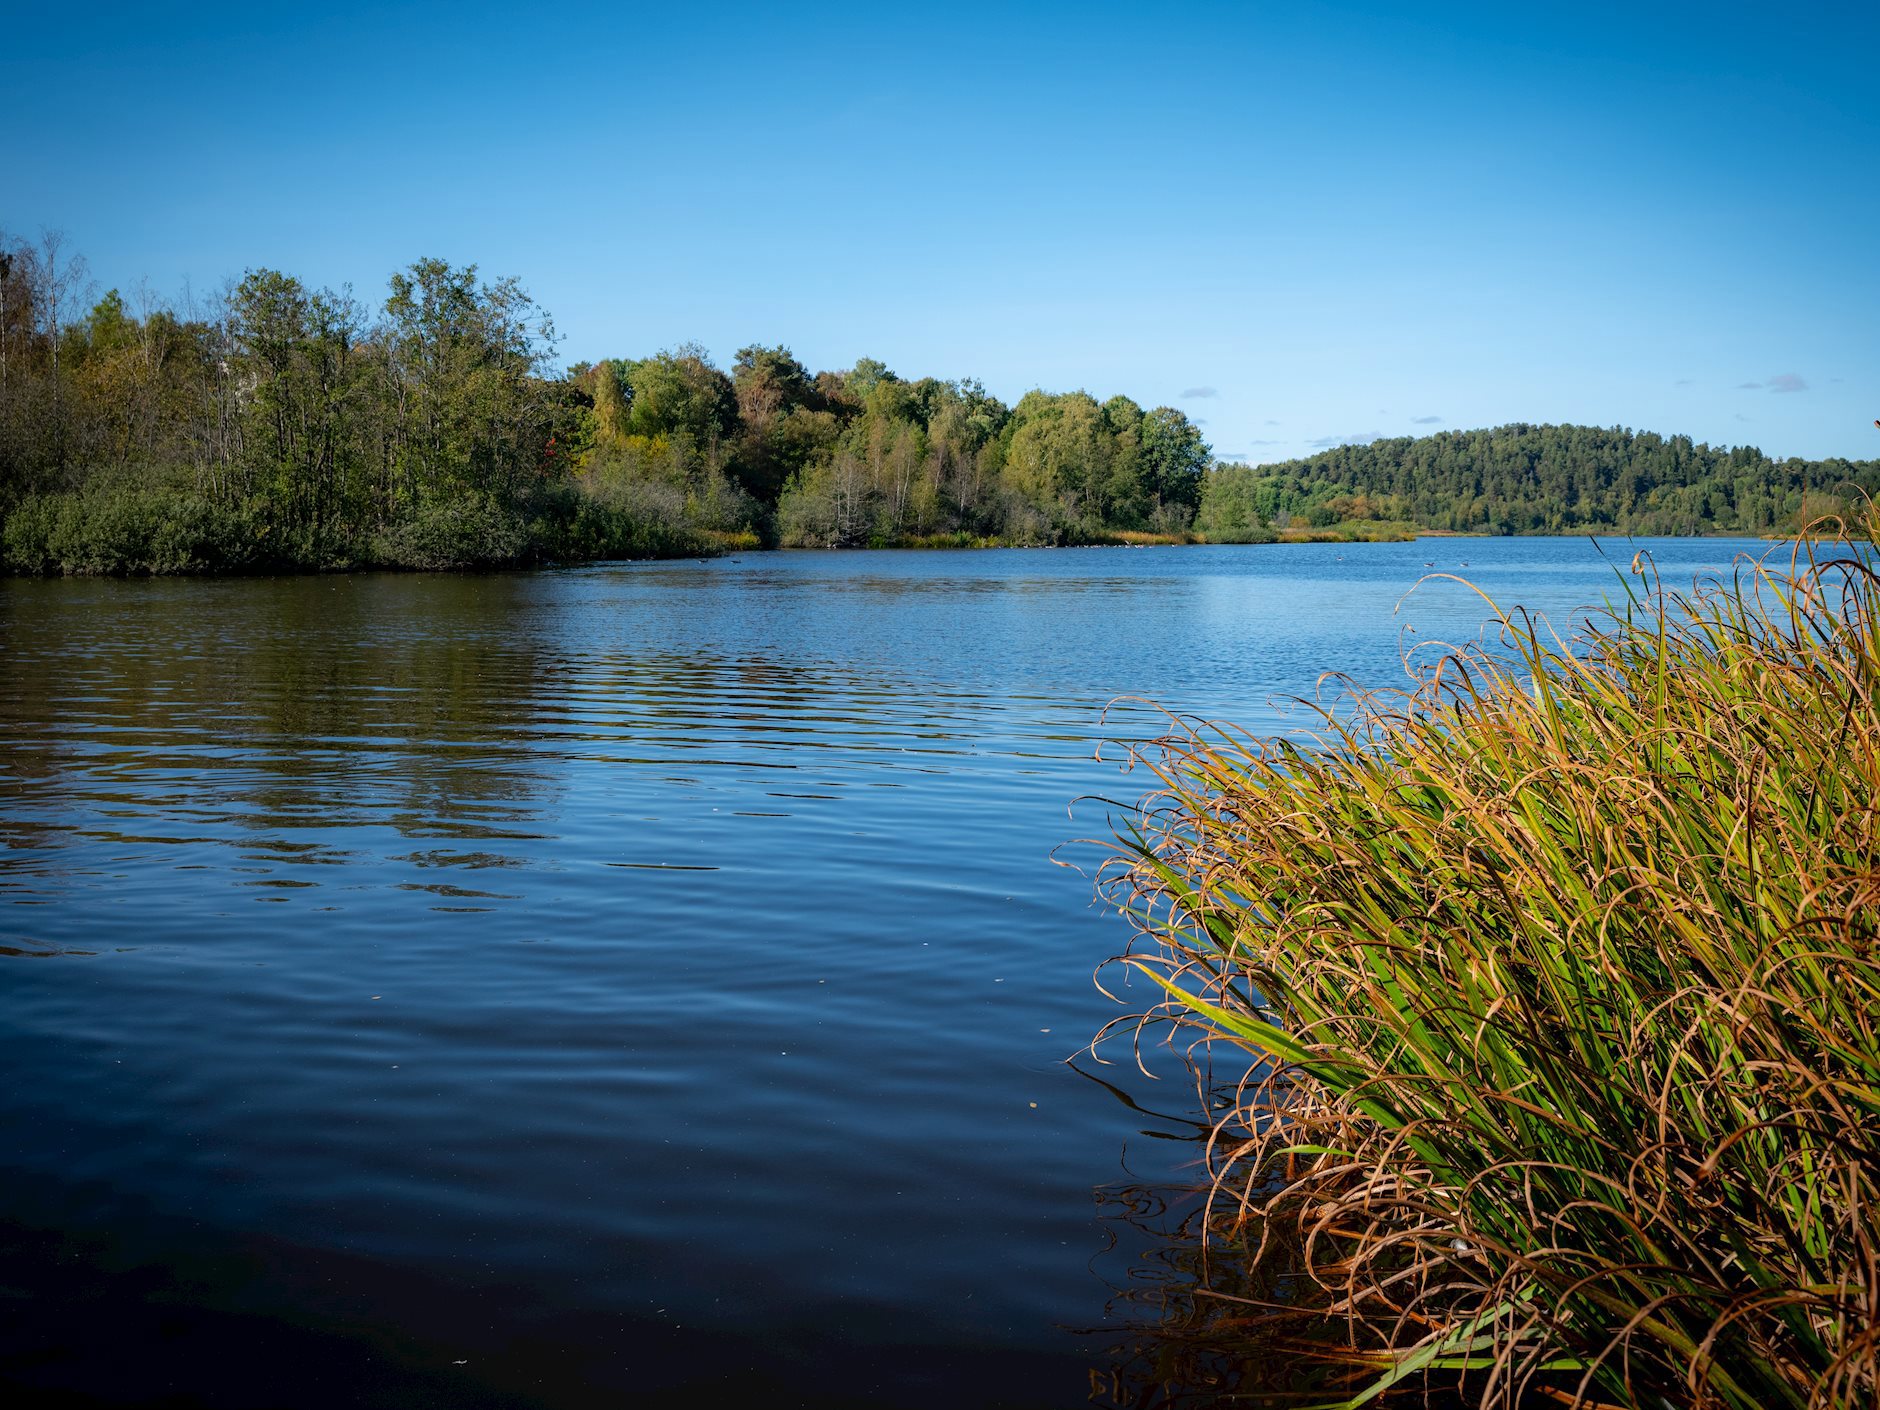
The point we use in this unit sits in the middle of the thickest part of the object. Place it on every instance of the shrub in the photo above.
(576, 528)
(616, 518)
(130, 530)
(469, 530)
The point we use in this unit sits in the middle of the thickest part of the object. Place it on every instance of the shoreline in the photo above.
(732, 545)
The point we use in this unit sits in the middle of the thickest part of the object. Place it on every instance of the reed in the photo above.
(1554, 981)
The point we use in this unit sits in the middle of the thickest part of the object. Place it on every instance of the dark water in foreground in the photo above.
(613, 984)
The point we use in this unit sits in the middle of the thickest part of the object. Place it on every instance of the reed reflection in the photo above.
(1193, 1318)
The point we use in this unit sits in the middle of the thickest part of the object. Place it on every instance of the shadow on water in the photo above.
(1191, 1319)
(148, 1310)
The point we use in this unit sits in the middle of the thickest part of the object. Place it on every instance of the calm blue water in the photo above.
(632, 981)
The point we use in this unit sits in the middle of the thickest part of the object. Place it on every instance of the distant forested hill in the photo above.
(1523, 479)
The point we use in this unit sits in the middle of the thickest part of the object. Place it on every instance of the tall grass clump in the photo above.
(1554, 981)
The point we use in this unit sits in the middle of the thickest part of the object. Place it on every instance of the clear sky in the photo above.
(1300, 222)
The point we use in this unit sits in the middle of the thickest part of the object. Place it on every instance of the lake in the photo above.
(632, 981)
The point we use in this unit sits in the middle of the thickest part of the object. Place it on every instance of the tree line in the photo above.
(273, 425)
(276, 425)
(1528, 479)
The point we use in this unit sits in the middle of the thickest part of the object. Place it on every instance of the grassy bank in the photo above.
(1552, 990)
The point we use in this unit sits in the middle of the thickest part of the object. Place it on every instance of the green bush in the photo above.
(574, 527)
(127, 531)
(471, 530)
(132, 529)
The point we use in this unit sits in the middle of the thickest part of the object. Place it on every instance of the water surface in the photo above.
(633, 981)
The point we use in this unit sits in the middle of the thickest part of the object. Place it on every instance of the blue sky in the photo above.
(1299, 222)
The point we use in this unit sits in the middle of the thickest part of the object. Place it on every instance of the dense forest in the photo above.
(1529, 480)
(275, 426)
(278, 426)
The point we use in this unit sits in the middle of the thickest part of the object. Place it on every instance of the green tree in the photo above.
(785, 419)
(1174, 459)
(470, 411)
(867, 374)
(681, 394)
(610, 388)
(1059, 460)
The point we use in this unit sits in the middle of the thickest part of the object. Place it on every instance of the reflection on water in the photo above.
(645, 979)
(1191, 1320)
